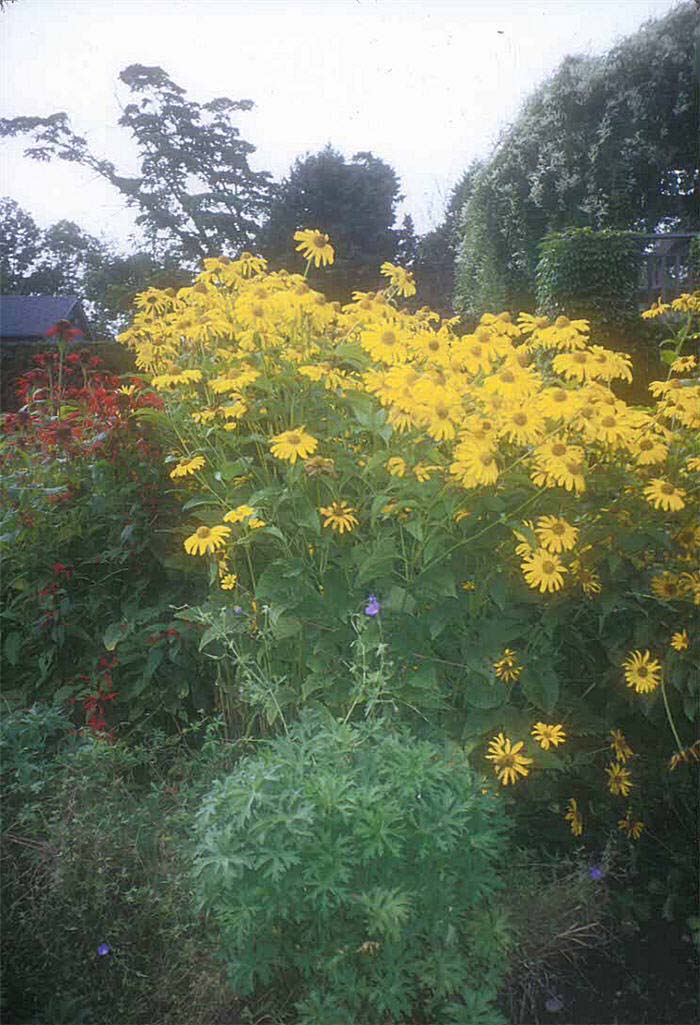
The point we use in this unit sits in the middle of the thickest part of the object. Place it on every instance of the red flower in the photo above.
(65, 331)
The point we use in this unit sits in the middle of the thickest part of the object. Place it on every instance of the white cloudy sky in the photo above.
(425, 84)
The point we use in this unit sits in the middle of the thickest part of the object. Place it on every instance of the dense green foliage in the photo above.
(592, 275)
(607, 142)
(95, 851)
(354, 201)
(351, 870)
(83, 560)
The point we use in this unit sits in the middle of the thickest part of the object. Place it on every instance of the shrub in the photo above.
(83, 504)
(592, 274)
(350, 871)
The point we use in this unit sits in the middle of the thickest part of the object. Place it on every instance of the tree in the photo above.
(607, 142)
(355, 202)
(65, 260)
(437, 250)
(196, 193)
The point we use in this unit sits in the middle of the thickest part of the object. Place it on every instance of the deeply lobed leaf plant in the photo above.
(351, 872)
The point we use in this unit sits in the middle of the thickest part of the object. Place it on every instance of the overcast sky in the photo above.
(425, 84)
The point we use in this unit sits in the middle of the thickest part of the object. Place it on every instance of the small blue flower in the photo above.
(104, 948)
(596, 872)
(554, 1004)
(372, 608)
(237, 610)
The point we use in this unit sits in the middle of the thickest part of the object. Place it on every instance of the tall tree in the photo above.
(354, 201)
(65, 260)
(437, 250)
(196, 193)
(607, 142)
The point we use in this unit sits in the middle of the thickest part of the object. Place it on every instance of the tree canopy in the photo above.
(607, 142)
(65, 260)
(355, 202)
(196, 193)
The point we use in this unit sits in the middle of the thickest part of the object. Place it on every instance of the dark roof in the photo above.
(31, 316)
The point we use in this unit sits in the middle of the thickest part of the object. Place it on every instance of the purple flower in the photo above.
(372, 607)
(596, 872)
(237, 610)
(553, 1004)
(104, 948)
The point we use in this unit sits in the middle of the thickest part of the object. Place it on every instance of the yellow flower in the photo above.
(547, 736)
(573, 816)
(666, 586)
(422, 473)
(544, 571)
(254, 523)
(239, 514)
(555, 534)
(206, 539)
(657, 309)
(507, 667)
(642, 672)
(619, 779)
(683, 364)
(339, 516)
(663, 495)
(680, 641)
(384, 344)
(186, 467)
(315, 245)
(399, 279)
(687, 756)
(508, 762)
(229, 581)
(633, 828)
(396, 466)
(293, 444)
(618, 743)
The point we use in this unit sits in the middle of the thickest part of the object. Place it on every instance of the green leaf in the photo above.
(541, 686)
(114, 633)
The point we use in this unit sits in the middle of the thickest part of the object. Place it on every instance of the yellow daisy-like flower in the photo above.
(187, 467)
(657, 309)
(292, 445)
(666, 586)
(619, 779)
(548, 736)
(543, 570)
(206, 540)
(663, 495)
(339, 516)
(396, 466)
(632, 827)
(642, 672)
(315, 245)
(508, 763)
(693, 464)
(683, 364)
(680, 640)
(229, 581)
(239, 514)
(555, 534)
(687, 756)
(574, 817)
(507, 668)
(618, 743)
(399, 279)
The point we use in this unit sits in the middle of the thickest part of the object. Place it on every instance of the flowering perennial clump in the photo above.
(487, 487)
